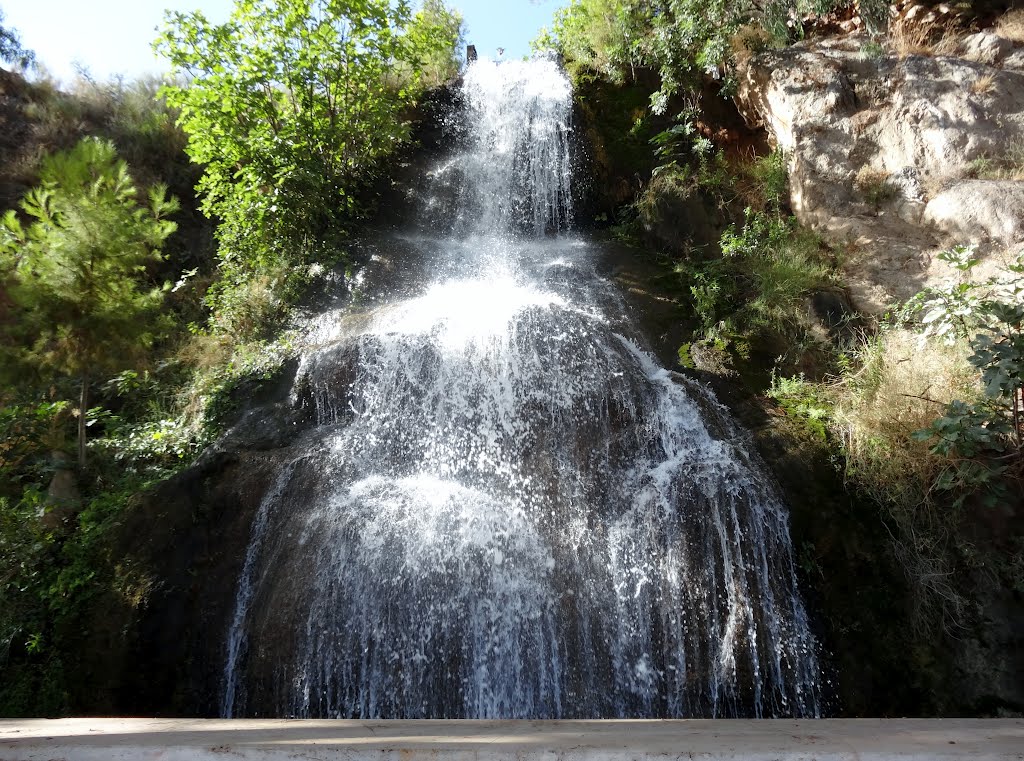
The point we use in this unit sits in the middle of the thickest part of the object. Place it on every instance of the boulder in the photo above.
(980, 211)
(63, 498)
(985, 47)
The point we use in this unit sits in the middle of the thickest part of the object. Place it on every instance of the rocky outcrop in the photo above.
(63, 497)
(979, 211)
(895, 157)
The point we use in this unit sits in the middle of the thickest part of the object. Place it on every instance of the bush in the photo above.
(760, 283)
(983, 437)
(769, 178)
(928, 417)
(804, 400)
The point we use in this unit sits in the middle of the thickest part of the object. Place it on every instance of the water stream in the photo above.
(507, 508)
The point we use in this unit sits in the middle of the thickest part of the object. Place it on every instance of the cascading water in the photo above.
(507, 509)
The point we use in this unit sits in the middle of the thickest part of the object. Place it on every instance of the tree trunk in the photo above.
(83, 401)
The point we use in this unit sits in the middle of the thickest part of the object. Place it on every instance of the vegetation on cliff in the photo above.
(121, 327)
(290, 110)
(72, 274)
(11, 49)
(920, 411)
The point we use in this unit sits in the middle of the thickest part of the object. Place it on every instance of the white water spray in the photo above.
(508, 510)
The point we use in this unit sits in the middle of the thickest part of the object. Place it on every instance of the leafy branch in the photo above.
(984, 439)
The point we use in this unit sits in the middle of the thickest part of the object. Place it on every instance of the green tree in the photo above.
(291, 105)
(604, 36)
(11, 50)
(75, 275)
(440, 34)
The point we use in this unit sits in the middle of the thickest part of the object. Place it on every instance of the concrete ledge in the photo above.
(725, 740)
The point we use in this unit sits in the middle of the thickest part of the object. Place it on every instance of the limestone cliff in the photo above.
(897, 152)
(898, 156)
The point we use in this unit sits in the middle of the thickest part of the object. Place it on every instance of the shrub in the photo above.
(771, 178)
(804, 400)
(983, 438)
(778, 264)
(874, 186)
(756, 293)
(929, 416)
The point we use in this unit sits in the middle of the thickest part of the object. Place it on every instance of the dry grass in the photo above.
(924, 38)
(207, 355)
(1009, 166)
(984, 85)
(873, 184)
(902, 387)
(206, 351)
(933, 184)
(910, 39)
(1011, 25)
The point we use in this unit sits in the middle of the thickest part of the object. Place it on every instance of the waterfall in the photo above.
(507, 509)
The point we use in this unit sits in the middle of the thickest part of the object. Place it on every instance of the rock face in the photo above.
(895, 159)
(898, 158)
(979, 211)
(63, 498)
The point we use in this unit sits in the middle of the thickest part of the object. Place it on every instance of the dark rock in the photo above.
(836, 314)
(190, 535)
(63, 498)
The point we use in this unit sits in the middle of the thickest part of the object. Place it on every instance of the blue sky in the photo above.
(113, 36)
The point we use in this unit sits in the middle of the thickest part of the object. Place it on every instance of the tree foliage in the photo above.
(681, 40)
(983, 439)
(75, 275)
(439, 33)
(11, 49)
(291, 106)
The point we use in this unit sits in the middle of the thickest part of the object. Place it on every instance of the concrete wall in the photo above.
(726, 740)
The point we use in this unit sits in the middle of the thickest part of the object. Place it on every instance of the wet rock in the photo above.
(676, 222)
(835, 313)
(988, 665)
(270, 427)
